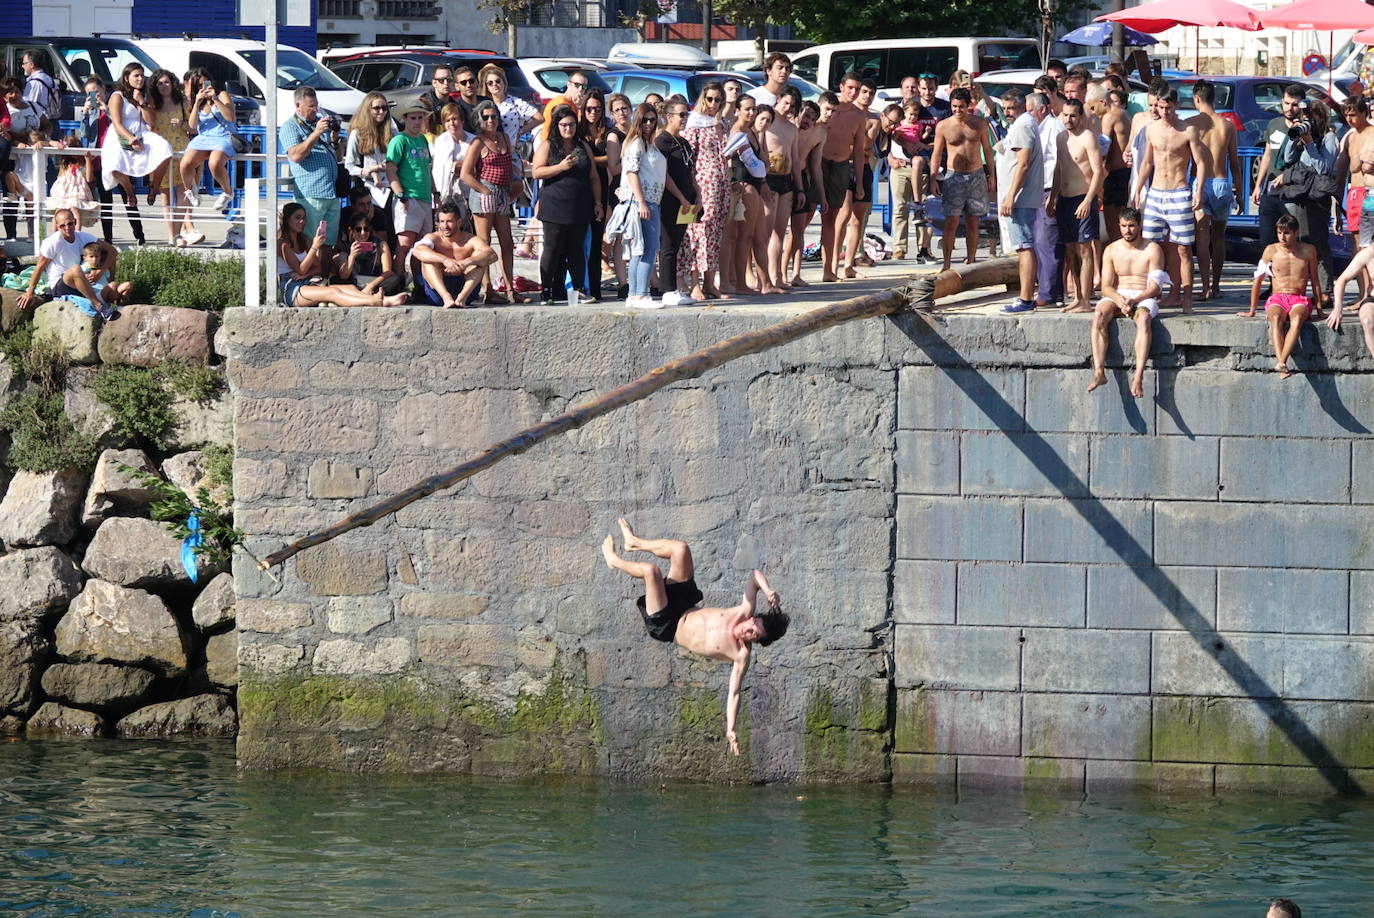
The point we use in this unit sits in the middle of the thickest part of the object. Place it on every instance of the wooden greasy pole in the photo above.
(921, 293)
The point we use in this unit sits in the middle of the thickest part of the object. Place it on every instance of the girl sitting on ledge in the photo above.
(300, 267)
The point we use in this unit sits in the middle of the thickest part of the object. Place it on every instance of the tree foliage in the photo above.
(826, 20)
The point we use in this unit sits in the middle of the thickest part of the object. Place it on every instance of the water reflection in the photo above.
(104, 828)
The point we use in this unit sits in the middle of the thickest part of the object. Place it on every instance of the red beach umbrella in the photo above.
(1320, 16)
(1165, 14)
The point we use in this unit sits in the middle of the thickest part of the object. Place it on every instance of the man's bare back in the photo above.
(1218, 137)
(1117, 128)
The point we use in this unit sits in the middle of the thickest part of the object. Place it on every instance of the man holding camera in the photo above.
(308, 140)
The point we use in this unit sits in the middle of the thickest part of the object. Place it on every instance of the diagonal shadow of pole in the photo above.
(1137, 558)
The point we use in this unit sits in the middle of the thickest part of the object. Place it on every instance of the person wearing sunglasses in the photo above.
(569, 200)
(645, 173)
(705, 134)
(465, 85)
(366, 261)
(572, 95)
(440, 88)
(59, 260)
(369, 134)
(489, 171)
(517, 115)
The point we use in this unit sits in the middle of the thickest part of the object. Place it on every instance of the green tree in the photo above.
(755, 15)
(508, 15)
(826, 20)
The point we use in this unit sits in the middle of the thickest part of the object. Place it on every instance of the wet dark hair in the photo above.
(962, 95)
(1203, 92)
(775, 622)
(1287, 908)
(1074, 103)
(1288, 222)
(450, 206)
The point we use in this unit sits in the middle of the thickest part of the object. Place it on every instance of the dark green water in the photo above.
(111, 828)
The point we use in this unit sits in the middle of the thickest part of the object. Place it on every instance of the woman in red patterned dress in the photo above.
(706, 136)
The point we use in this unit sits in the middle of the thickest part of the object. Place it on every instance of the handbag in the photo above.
(235, 138)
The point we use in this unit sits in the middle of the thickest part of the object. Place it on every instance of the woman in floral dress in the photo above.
(706, 136)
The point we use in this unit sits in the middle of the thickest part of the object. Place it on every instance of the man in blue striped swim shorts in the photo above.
(1170, 203)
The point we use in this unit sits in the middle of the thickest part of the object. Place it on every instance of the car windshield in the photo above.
(104, 61)
(556, 80)
(295, 68)
(1224, 92)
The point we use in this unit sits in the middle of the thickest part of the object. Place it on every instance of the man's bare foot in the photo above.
(772, 290)
(828, 278)
(1206, 294)
(699, 295)
(1077, 307)
(796, 281)
(1188, 307)
(851, 274)
(628, 538)
(608, 552)
(1138, 385)
(1099, 379)
(396, 299)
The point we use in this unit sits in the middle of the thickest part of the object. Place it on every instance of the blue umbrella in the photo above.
(1099, 35)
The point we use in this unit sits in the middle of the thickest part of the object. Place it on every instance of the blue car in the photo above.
(1250, 103)
(637, 84)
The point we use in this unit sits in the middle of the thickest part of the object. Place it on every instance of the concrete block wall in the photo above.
(1097, 589)
(995, 575)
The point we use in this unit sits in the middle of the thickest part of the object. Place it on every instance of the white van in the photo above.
(239, 65)
(887, 60)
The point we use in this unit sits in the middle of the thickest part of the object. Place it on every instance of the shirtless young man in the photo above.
(962, 164)
(1077, 182)
(1116, 187)
(810, 134)
(1219, 194)
(1170, 148)
(842, 159)
(1357, 158)
(862, 203)
(1132, 281)
(1293, 266)
(784, 175)
(452, 262)
(671, 612)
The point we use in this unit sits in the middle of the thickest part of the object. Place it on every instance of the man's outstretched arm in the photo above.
(755, 583)
(732, 705)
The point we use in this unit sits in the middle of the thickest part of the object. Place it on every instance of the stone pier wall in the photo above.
(992, 574)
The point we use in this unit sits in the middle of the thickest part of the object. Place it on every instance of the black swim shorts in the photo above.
(682, 597)
(838, 176)
(781, 184)
(1116, 190)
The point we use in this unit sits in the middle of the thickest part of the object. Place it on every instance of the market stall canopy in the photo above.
(1165, 14)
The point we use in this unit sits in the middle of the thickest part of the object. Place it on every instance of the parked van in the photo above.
(70, 60)
(238, 65)
(887, 60)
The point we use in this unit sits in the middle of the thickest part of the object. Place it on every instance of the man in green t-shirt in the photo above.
(1277, 152)
(407, 169)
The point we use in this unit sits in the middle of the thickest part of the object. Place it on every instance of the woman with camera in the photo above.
(212, 112)
(569, 200)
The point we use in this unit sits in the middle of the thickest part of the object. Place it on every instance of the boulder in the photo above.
(201, 715)
(73, 329)
(187, 471)
(10, 313)
(215, 605)
(11, 381)
(222, 659)
(135, 552)
(40, 508)
(105, 687)
(55, 720)
(115, 492)
(11, 725)
(146, 336)
(109, 623)
(36, 584)
(90, 415)
(199, 423)
(24, 651)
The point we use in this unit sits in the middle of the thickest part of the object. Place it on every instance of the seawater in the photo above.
(121, 828)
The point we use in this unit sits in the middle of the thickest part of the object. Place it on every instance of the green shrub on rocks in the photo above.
(17, 343)
(219, 469)
(195, 382)
(43, 438)
(42, 360)
(141, 404)
(183, 280)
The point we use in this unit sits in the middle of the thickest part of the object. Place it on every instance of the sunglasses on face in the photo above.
(466, 82)
(443, 79)
(491, 116)
(713, 98)
(379, 108)
(578, 85)
(495, 81)
(651, 121)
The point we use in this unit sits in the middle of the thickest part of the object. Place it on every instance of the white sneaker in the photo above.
(643, 302)
(672, 298)
(193, 238)
(191, 198)
(222, 202)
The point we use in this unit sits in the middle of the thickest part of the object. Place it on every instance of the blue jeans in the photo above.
(642, 266)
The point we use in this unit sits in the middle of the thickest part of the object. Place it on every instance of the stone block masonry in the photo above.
(994, 575)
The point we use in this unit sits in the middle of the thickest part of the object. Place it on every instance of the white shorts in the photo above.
(1151, 305)
(416, 217)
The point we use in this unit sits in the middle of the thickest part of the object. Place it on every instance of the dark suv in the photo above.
(404, 76)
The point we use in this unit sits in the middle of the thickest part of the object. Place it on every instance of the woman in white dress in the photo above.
(131, 149)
